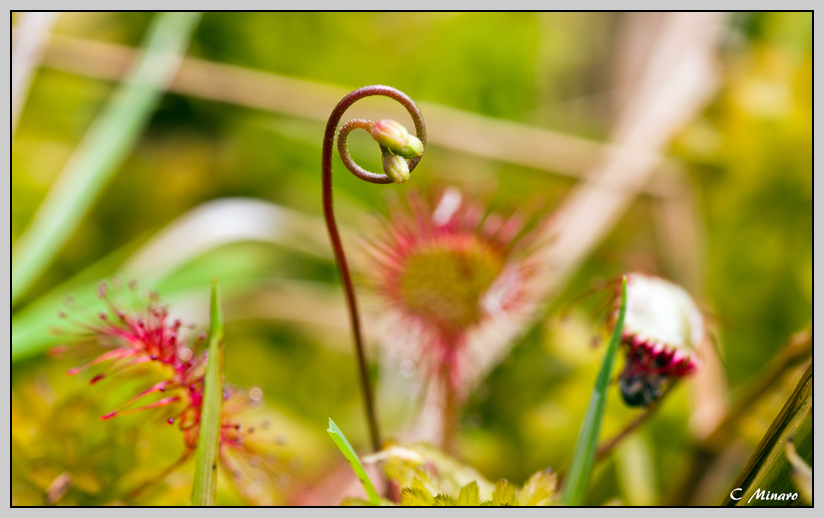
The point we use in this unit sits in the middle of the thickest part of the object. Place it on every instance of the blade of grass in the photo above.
(103, 149)
(36, 327)
(208, 445)
(33, 328)
(354, 461)
(769, 468)
(797, 350)
(584, 456)
(143, 259)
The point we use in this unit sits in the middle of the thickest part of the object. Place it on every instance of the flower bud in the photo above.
(395, 168)
(663, 329)
(412, 149)
(394, 137)
(390, 134)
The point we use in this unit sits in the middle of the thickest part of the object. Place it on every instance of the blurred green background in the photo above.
(748, 155)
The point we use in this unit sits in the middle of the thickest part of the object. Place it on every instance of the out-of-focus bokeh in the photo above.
(672, 144)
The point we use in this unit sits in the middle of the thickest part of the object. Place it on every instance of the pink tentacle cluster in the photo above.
(459, 236)
(150, 336)
(646, 357)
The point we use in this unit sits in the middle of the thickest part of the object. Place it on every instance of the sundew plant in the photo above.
(569, 265)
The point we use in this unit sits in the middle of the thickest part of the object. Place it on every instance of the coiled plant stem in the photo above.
(329, 216)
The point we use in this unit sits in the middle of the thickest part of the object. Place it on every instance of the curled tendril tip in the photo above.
(401, 153)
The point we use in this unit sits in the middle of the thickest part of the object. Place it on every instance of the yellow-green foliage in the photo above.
(429, 477)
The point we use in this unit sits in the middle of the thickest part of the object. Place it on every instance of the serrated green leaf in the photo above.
(469, 495)
(445, 501)
(208, 445)
(505, 493)
(416, 497)
(419, 485)
(423, 471)
(354, 461)
(404, 466)
(583, 457)
(539, 489)
(437, 471)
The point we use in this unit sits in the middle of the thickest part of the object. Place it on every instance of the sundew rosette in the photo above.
(447, 271)
(143, 333)
(663, 332)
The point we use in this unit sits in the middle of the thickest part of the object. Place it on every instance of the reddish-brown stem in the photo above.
(334, 235)
(450, 413)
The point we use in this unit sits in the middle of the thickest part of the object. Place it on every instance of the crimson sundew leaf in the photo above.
(104, 147)
(583, 457)
(208, 444)
(354, 461)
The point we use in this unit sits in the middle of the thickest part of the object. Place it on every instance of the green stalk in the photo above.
(208, 444)
(769, 468)
(103, 149)
(584, 456)
(354, 461)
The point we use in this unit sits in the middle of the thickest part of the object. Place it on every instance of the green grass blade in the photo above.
(33, 326)
(584, 456)
(769, 468)
(354, 461)
(103, 149)
(205, 485)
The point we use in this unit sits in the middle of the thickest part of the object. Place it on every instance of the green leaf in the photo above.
(238, 267)
(583, 457)
(769, 468)
(504, 494)
(412, 462)
(415, 497)
(354, 461)
(208, 444)
(423, 471)
(445, 501)
(103, 149)
(406, 467)
(539, 489)
(469, 495)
